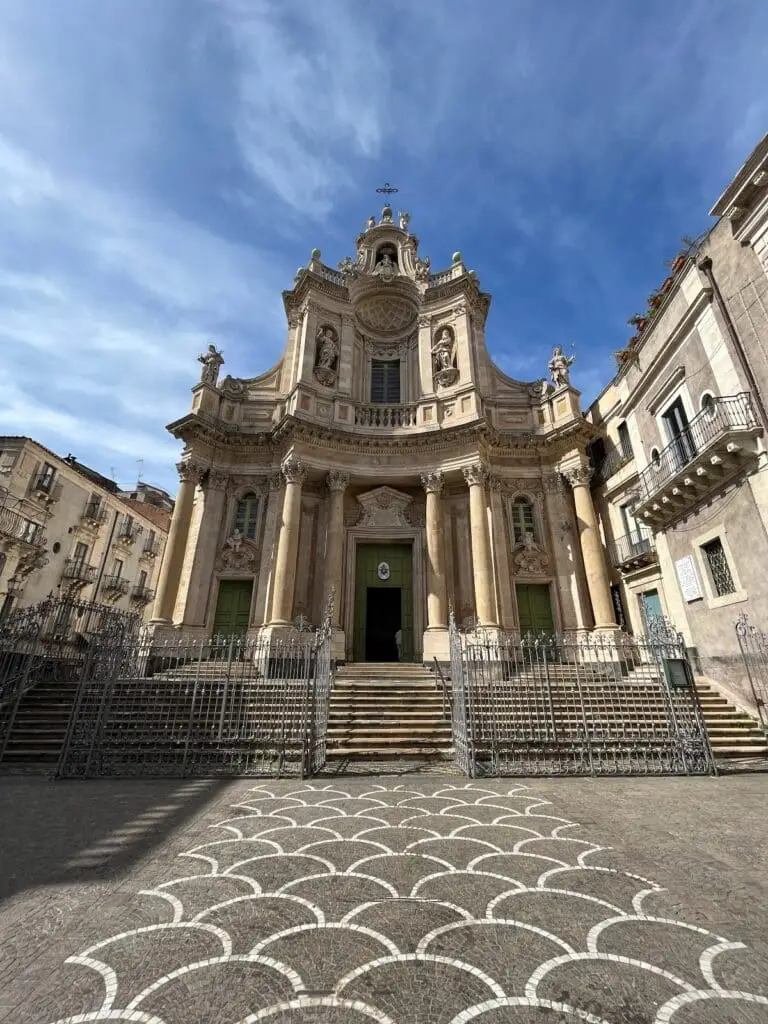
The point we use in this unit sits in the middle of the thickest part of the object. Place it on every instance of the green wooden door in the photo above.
(371, 560)
(534, 608)
(233, 608)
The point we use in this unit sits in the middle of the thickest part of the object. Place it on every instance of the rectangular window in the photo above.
(45, 477)
(625, 444)
(81, 553)
(142, 578)
(679, 434)
(719, 570)
(31, 531)
(117, 568)
(385, 381)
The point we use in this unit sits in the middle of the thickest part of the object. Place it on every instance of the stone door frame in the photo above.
(386, 535)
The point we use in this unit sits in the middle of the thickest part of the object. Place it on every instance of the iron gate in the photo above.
(53, 643)
(592, 705)
(203, 707)
(753, 644)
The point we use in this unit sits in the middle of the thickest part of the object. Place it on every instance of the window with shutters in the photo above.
(385, 381)
(522, 520)
(247, 515)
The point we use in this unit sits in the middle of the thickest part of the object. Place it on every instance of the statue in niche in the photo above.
(212, 361)
(422, 268)
(386, 268)
(444, 358)
(327, 356)
(559, 367)
(404, 219)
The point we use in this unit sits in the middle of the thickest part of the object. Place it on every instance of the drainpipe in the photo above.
(705, 266)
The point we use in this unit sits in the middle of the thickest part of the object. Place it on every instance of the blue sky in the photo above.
(165, 165)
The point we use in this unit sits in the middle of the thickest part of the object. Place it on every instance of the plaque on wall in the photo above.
(688, 579)
(383, 570)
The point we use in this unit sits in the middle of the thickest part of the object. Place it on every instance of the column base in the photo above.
(436, 644)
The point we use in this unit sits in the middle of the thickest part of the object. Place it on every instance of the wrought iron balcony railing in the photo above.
(75, 569)
(142, 594)
(380, 415)
(94, 512)
(16, 527)
(115, 584)
(615, 460)
(151, 549)
(723, 416)
(632, 548)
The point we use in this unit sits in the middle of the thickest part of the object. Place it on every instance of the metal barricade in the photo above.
(595, 704)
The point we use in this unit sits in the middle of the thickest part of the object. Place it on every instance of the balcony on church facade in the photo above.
(717, 445)
(632, 551)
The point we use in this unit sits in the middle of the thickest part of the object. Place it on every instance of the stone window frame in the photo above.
(538, 525)
(710, 595)
(238, 496)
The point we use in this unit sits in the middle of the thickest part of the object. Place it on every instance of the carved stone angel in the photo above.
(422, 269)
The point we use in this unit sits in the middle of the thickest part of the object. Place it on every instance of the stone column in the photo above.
(294, 472)
(482, 567)
(265, 586)
(176, 545)
(206, 540)
(337, 482)
(437, 603)
(591, 548)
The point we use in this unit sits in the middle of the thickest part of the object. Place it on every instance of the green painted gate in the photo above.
(399, 560)
(534, 608)
(233, 608)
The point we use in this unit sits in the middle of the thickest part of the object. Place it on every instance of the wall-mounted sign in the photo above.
(688, 579)
(382, 570)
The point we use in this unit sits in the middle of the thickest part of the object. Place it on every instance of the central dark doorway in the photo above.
(383, 618)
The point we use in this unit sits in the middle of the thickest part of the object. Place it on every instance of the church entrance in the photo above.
(233, 608)
(383, 603)
(534, 608)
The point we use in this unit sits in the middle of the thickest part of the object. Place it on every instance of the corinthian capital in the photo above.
(475, 475)
(433, 482)
(337, 480)
(216, 480)
(294, 470)
(190, 470)
(578, 476)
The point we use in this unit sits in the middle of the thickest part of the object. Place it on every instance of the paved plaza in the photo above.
(398, 899)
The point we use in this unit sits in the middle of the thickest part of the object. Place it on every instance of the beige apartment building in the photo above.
(65, 530)
(387, 459)
(680, 474)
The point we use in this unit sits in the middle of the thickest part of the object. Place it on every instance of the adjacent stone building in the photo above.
(66, 530)
(680, 482)
(385, 459)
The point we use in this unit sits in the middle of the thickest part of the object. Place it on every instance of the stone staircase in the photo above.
(381, 710)
(732, 733)
(40, 727)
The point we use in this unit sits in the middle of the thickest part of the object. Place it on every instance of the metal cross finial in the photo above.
(387, 190)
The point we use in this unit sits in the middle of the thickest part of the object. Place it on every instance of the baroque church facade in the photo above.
(385, 460)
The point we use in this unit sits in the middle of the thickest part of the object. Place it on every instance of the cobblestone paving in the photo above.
(397, 901)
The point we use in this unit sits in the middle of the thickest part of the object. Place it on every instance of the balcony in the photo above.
(151, 549)
(94, 514)
(45, 488)
(717, 445)
(632, 551)
(115, 586)
(14, 527)
(78, 572)
(386, 416)
(142, 595)
(611, 464)
(128, 531)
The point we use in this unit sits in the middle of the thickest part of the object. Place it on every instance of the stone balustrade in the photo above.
(386, 416)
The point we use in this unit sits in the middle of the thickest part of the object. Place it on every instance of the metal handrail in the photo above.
(723, 414)
(75, 569)
(118, 584)
(16, 526)
(443, 688)
(631, 545)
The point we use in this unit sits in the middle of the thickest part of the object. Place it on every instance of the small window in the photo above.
(708, 404)
(522, 519)
(655, 458)
(719, 570)
(45, 477)
(117, 568)
(31, 531)
(247, 515)
(385, 381)
(142, 578)
(625, 444)
(81, 553)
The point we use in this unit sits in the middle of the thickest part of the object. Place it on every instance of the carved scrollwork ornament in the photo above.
(216, 480)
(433, 483)
(294, 470)
(337, 480)
(530, 558)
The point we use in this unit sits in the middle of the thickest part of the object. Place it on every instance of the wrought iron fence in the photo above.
(753, 644)
(213, 706)
(55, 641)
(557, 705)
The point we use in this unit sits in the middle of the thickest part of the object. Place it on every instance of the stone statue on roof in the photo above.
(212, 361)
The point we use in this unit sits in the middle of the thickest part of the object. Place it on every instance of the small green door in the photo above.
(233, 608)
(534, 608)
(381, 568)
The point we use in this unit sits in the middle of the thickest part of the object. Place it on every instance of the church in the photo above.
(387, 461)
